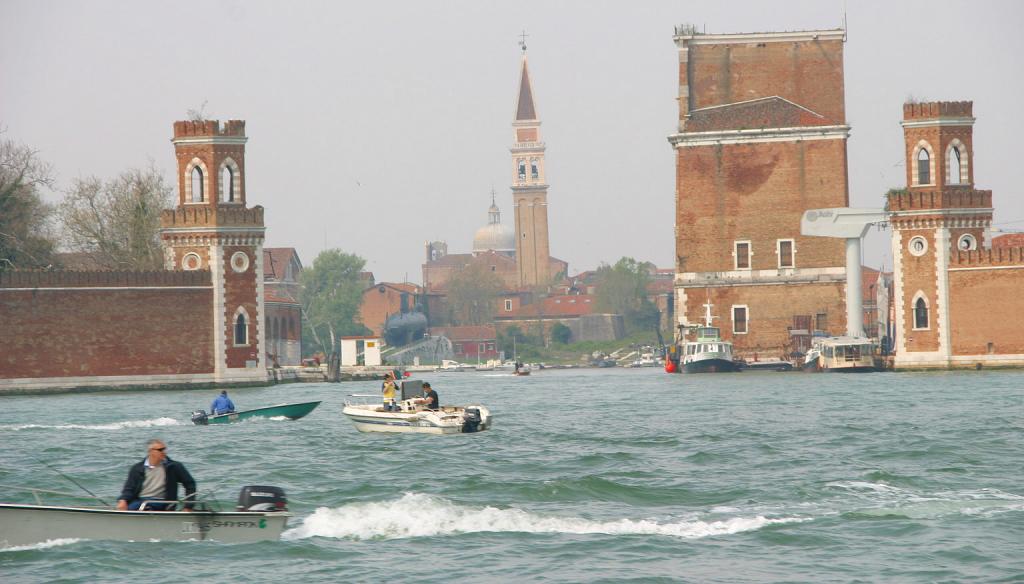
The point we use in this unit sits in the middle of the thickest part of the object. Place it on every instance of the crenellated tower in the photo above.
(938, 216)
(212, 229)
(529, 187)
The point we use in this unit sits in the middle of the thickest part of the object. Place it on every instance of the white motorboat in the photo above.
(412, 417)
(841, 355)
(261, 515)
(707, 352)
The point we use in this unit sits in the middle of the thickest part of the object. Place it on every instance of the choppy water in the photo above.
(587, 476)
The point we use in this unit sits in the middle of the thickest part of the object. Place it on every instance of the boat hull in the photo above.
(290, 411)
(373, 419)
(711, 366)
(31, 524)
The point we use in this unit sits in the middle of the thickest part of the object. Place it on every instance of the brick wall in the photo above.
(92, 331)
(991, 326)
(240, 291)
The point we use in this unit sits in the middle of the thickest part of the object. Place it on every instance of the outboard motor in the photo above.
(199, 417)
(262, 498)
(471, 420)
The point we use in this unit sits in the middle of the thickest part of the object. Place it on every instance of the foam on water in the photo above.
(419, 515)
(40, 546)
(109, 426)
(874, 499)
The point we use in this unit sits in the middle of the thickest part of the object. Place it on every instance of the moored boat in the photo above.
(261, 514)
(707, 352)
(841, 355)
(289, 411)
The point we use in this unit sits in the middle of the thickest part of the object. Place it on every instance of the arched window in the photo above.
(241, 330)
(198, 196)
(227, 181)
(920, 314)
(533, 169)
(522, 170)
(924, 176)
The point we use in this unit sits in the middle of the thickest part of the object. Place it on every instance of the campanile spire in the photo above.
(529, 188)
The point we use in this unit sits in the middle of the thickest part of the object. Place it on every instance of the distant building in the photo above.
(385, 300)
(470, 343)
(281, 283)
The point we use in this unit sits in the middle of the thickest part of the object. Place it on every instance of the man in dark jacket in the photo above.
(156, 477)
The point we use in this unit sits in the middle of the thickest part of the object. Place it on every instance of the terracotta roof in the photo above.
(466, 333)
(766, 112)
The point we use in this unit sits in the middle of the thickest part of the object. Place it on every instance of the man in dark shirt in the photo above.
(156, 478)
(429, 399)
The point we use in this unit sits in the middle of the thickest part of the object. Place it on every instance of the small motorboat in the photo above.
(290, 411)
(411, 417)
(261, 514)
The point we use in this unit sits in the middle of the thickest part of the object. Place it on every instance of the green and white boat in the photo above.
(289, 411)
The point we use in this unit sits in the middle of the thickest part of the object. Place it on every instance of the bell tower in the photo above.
(529, 187)
(938, 214)
(212, 229)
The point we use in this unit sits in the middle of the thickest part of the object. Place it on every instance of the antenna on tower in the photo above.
(844, 21)
(522, 42)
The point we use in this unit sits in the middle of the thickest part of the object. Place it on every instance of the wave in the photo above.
(109, 426)
(40, 546)
(420, 515)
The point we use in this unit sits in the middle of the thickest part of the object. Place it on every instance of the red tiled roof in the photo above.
(271, 297)
(766, 112)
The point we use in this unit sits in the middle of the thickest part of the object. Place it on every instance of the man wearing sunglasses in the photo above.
(156, 478)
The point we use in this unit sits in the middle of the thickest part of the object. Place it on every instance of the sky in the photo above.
(375, 127)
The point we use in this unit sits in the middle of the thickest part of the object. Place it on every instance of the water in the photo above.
(588, 476)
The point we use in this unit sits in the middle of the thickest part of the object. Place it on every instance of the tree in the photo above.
(472, 293)
(622, 289)
(561, 333)
(118, 222)
(27, 239)
(331, 295)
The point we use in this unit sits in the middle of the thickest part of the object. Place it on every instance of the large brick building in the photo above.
(762, 138)
(955, 292)
(198, 323)
(281, 273)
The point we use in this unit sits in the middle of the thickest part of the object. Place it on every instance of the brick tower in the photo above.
(937, 218)
(212, 229)
(529, 189)
(761, 139)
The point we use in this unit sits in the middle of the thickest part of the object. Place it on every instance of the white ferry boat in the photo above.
(841, 355)
(707, 352)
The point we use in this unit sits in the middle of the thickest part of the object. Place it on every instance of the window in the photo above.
(508, 305)
(821, 321)
(923, 167)
(197, 185)
(742, 253)
(241, 330)
(533, 169)
(458, 347)
(953, 166)
(522, 170)
(227, 183)
(918, 245)
(967, 242)
(785, 253)
(739, 320)
(920, 314)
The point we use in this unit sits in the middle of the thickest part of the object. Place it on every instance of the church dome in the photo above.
(494, 236)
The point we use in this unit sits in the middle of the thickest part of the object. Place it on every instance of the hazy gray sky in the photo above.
(376, 126)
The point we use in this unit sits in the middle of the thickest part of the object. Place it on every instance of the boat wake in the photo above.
(419, 515)
(40, 546)
(881, 500)
(110, 426)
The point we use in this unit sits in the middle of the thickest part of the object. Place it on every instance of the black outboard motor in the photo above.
(262, 498)
(200, 418)
(471, 421)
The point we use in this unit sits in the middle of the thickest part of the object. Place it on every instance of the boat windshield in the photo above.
(707, 332)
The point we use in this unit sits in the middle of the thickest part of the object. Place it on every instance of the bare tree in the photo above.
(27, 239)
(118, 222)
